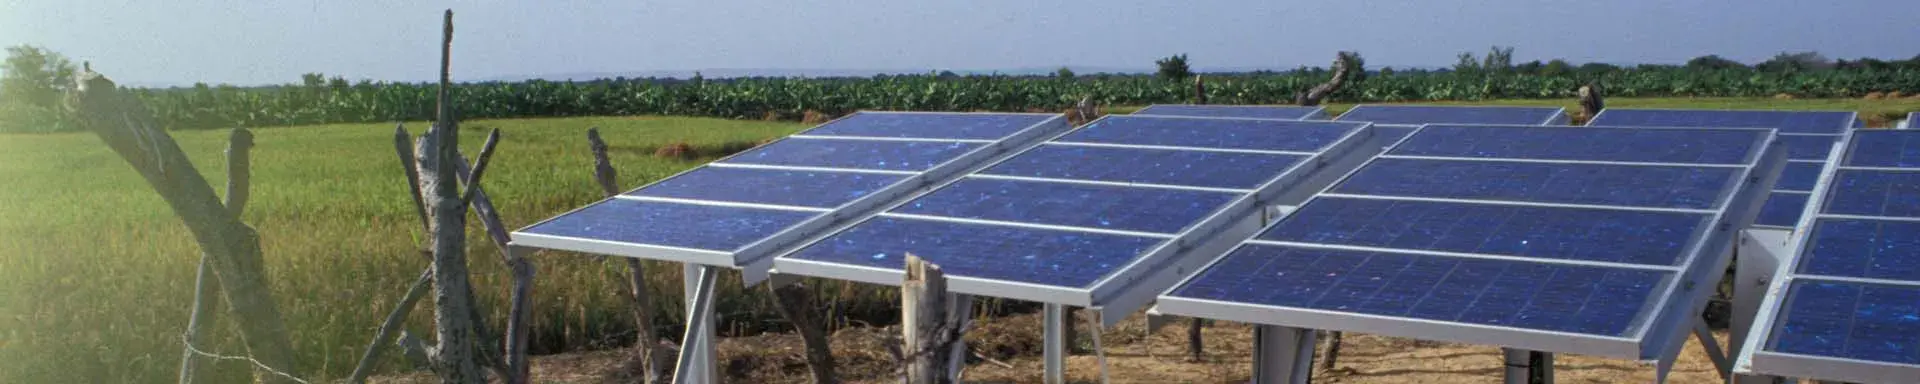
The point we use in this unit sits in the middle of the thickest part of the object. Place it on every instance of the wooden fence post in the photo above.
(924, 319)
(646, 347)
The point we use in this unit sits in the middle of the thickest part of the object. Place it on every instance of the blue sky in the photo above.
(254, 42)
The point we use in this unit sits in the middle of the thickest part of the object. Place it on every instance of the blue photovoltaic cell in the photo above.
(930, 125)
(1880, 249)
(1798, 176)
(1242, 111)
(768, 186)
(1275, 135)
(1808, 147)
(671, 224)
(1874, 193)
(858, 154)
(1587, 300)
(1152, 166)
(1080, 205)
(1850, 320)
(1886, 148)
(1637, 237)
(1705, 146)
(1782, 209)
(1592, 184)
(1785, 121)
(1037, 256)
(1419, 114)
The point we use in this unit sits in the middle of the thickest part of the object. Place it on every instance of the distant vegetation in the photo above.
(319, 99)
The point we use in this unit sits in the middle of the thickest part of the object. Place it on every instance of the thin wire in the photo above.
(256, 363)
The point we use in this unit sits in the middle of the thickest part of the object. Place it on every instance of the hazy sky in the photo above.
(253, 42)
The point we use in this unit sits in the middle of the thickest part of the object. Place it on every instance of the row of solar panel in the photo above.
(1846, 303)
(1487, 219)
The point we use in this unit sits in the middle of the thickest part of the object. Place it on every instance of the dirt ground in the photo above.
(1133, 356)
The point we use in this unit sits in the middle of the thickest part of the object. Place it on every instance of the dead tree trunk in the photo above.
(1083, 112)
(232, 247)
(795, 302)
(513, 349)
(1591, 100)
(645, 347)
(1341, 64)
(924, 320)
(1333, 351)
(439, 158)
(205, 287)
(1196, 347)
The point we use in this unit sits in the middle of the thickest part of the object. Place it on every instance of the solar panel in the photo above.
(1093, 217)
(1846, 305)
(1809, 136)
(1440, 114)
(738, 211)
(1587, 241)
(1285, 112)
(1809, 122)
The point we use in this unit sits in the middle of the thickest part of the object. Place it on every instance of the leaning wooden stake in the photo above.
(205, 286)
(1199, 90)
(795, 302)
(1342, 63)
(232, 247)
(403, 144)
(646, 348)
(929, 334)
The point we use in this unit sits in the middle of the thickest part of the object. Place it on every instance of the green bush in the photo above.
(19, 118)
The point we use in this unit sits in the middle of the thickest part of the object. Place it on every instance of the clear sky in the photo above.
(255, 42)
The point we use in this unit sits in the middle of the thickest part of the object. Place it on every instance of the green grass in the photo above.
(96, 274)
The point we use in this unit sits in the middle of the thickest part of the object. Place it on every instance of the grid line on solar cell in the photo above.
(1709, 146)
(1278, 135)
(1879, 249)
(858, 154)
(1242, 111)
(707, 227)
(1782, 209)
(1589, 184)
(1818, 122)
(1874, 193)
(762, 186)
(1885, 148)
(1079, 205)
(1849, 320)
(1650, 238)
(1155, 166)
(1426, 114)
(1026, 255)
(1579, 299)
(929, 125)
(1177, 148)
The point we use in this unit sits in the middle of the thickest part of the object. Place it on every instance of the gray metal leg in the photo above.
(1759, 254)
(1544, 365)
(1519, 365)
(1055, 344)
(962, 310)
(1712, 346)
(696, 363)
(1283, 354)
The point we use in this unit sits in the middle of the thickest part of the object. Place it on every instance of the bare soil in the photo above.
(1133, 356)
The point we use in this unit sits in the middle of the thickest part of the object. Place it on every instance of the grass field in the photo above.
(96, 274)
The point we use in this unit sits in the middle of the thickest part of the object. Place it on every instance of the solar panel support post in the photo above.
(1283, 354)
(962, 313)
(1519, 366)
(1759, 254)
(1054, 344)
(696, 348)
